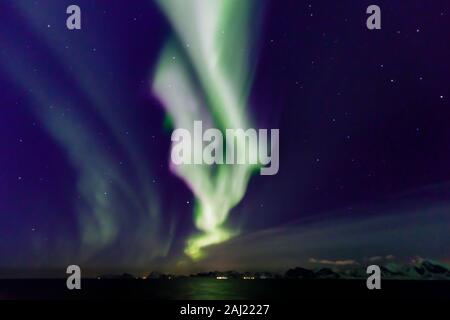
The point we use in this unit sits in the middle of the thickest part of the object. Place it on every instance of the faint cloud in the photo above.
(376, 258)
(380, 258)
(334, 262)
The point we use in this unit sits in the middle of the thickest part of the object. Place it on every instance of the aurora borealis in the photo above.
(219, 58)
(87, 115)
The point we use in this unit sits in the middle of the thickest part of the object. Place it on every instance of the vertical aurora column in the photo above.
(203, 74)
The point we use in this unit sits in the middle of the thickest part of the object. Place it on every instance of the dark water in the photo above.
(212, 289)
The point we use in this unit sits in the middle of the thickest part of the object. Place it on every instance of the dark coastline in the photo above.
(212, 289)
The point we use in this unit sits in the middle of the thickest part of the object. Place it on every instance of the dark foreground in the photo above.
(212, 289)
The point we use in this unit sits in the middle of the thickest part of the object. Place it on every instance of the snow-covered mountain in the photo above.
(418, 270)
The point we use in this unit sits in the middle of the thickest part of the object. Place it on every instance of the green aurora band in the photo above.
(109, 197)
(204, 74)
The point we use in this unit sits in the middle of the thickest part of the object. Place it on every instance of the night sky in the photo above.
(85, 143)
